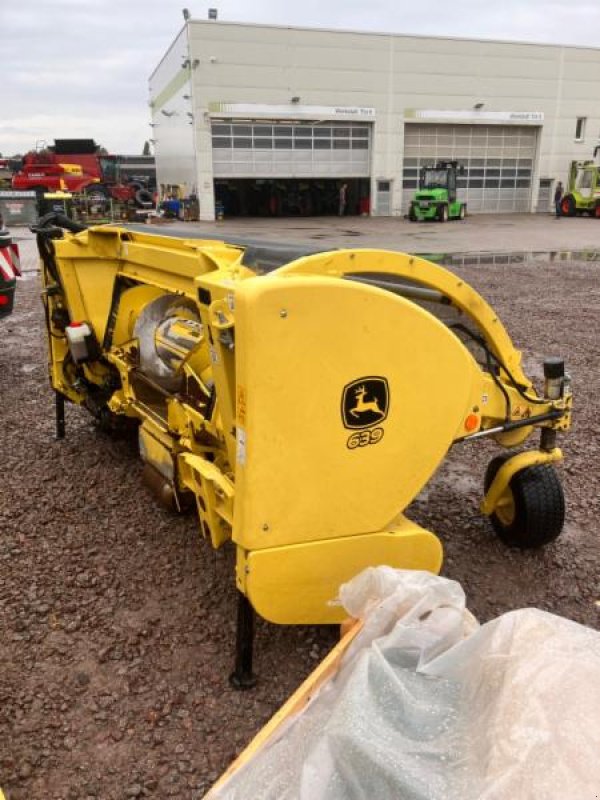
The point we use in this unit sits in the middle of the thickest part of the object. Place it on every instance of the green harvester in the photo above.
(436, 198)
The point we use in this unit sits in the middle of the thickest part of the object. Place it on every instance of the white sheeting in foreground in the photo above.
(427, 705)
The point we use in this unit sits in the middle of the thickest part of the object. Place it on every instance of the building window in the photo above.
(286, 136)
(493, 173)
(580, 129)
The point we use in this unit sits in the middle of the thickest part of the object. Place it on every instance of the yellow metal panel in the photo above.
(89, 262)
(305, 468)
(96, 282)
(90, 244)
(89, 286)
(206, 480)
(425, 273)
(209, 471)
(71, 169)
(157, 449)
(297, 584)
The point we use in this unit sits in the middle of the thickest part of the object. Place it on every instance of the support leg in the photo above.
(242, 676)
(60, 415)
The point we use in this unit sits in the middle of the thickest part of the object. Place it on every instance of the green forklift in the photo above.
(436, 198)
(583, 188)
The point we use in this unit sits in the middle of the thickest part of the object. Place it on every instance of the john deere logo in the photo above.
(365, 402)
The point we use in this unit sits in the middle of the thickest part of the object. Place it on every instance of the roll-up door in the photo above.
(498, 162)
(290, 149)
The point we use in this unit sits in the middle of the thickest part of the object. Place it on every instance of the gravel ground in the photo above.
(117, 623)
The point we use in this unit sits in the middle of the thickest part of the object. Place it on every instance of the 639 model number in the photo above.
(363, 438)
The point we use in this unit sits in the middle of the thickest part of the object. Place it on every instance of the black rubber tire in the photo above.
(97, 190)
(143, 198)
(135, 185)
(539, 505)
(443, 213)
(411, 213)
(463, 212)
(567, 206)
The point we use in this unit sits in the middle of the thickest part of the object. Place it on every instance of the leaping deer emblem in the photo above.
(361, 405)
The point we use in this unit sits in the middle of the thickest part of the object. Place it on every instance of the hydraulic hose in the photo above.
(56, 219)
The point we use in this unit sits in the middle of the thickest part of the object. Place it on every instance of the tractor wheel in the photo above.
(531, 512)
(463, 211)
(98, 191)
(443, 213)
(411, 213)
(567, 206)
(596, 212)
(143, 198)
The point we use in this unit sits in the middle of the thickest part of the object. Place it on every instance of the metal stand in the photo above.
(242, 676)
(60, 415)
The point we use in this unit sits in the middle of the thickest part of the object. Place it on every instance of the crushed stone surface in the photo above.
(117, 620)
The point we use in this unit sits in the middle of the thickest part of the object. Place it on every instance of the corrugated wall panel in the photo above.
(498, 162)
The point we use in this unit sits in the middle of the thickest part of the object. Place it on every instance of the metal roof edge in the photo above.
(482, 40)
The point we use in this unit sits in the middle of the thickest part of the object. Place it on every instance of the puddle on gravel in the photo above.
(327, 234)
(515, 257)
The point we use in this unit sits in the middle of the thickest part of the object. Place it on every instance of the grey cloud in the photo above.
(81, 67)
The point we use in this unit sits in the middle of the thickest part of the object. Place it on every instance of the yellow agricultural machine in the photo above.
(300, 409)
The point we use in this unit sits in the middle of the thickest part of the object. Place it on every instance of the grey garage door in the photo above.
(290, 149)
(497, 159)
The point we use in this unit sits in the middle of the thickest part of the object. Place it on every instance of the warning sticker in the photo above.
(241, 405)
(241, 446)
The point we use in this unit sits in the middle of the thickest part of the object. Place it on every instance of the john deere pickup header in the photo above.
(299, 411)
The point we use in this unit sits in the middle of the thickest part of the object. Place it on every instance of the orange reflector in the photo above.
(471, 422)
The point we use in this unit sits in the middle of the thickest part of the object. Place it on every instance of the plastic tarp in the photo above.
(428, 705)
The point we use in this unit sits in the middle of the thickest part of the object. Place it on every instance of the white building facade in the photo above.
(272, 120)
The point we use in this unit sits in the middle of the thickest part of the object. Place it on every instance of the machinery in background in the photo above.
(582, 194)
(77, 165)
(6, 173)
(436, 196)
(300, 411)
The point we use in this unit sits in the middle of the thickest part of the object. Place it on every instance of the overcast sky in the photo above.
(80, 68)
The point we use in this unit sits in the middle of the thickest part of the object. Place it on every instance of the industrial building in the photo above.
(268, 120)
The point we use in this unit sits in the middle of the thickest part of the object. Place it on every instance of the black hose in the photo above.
(49, 227)
(498, 382)
(56, 219)
(489, 354)
(46, 251)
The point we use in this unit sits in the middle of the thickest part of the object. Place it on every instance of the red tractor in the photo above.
(77, 165)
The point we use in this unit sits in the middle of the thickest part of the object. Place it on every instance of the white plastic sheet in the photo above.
(427, 705)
